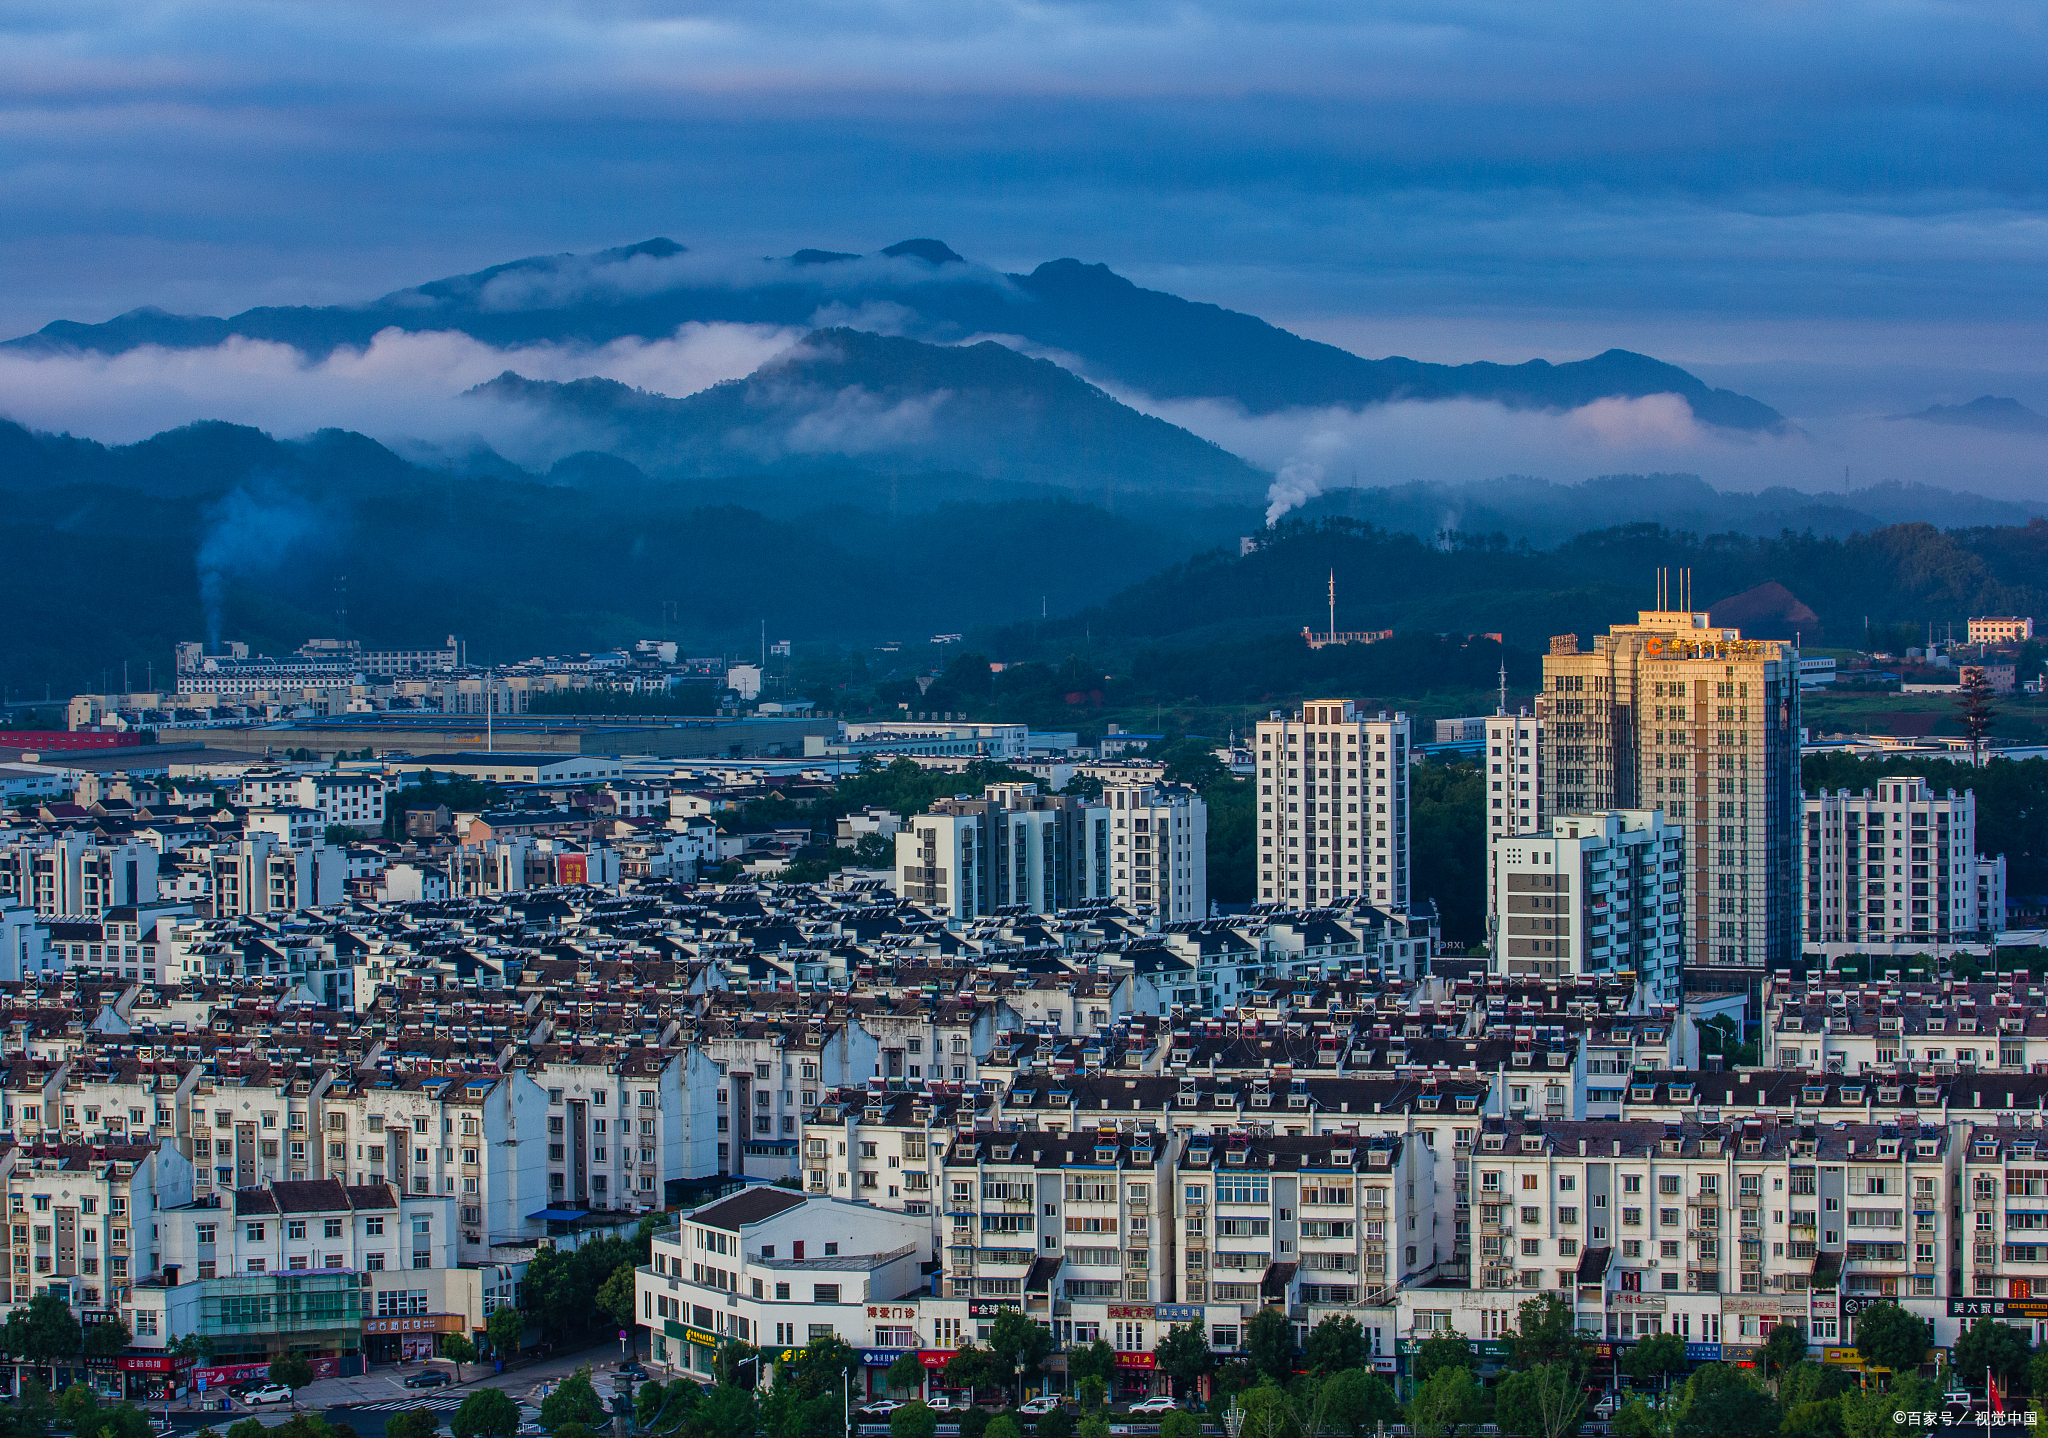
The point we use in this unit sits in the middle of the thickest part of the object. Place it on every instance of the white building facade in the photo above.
(1333, 805)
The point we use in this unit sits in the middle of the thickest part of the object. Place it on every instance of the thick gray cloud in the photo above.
(1748, 182)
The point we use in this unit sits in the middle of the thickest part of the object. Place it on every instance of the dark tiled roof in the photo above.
(755, 1205)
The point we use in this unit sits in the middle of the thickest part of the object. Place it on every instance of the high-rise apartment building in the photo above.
(1586, 896)
(1896, 864)
(1514, 774)
(1675, 713)
(1333, 805)
(1143, 844)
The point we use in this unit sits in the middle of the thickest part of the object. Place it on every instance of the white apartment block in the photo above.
(1894, 1032)
(258, 874)
(1158, 849)
(1896, 864)
(1333, 805)
(76, 874)
(1514, 774)
(1594, 894)
(1714, 1231)
(83, 1219)
(338, 796)
(487, 1142)
(778, 1269)
(1144, 845)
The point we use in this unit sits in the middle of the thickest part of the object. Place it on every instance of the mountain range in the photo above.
(2005, 416)
(1099, 323)
(901, 404)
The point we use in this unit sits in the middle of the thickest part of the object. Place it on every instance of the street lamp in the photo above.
(1233, 1419)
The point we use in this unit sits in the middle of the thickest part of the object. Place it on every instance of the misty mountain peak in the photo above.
(937, 252)
(1992, 412)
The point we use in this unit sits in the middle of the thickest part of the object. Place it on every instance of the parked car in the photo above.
(268, 1393)
(630, 1368)
(1044, 1403)
(432, 1378)
(884, 1407)
(949, 1403)
(1159, 1404)
(1608, 1406)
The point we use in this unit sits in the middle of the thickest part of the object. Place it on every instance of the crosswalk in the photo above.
(432, 1401)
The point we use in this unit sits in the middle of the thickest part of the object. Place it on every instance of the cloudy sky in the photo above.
(1838, 207)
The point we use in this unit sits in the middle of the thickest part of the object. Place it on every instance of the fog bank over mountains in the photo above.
(694, 366)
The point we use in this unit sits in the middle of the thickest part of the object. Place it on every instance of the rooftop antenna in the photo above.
(1333, 606)
(1503, 685)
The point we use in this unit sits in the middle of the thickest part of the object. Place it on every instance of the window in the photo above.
(295, 1228)
(253, 1232)
(825, 1293)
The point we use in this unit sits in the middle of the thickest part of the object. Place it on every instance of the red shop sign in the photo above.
(1134, 1360)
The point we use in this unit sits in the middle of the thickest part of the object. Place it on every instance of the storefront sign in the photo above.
(418, 1323)
(1134, 1360)
(880, 1357)
(990, 1307)
(1703, 1353)
(1178, 1312)
(1130, 1310)
(153, 1363)
(1383, 1365)
(888, 1311)
(1842, 1357)
(1483, 1347)
(935, 1357)
(2030, 1308)
(1653, 1301)
(699, 1337)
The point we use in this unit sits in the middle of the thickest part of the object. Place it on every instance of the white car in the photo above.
(947, 1403)
(1160, 1404)
(885, 1406)
(1044, 1403)
(1609, 1404)
(268, 1393)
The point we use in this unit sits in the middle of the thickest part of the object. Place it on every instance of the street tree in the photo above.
(1447, 1405)
(1183, 1355)
(1547, 1332)
(905, 1375)
(1269, 1344)
(459, 1350)
(1721, 1401)
(1336, 1344)
(1019, 1344)
(1998, 1349)
(486, 1413)
(1891, 1338)
(1446, 1350)
(1657, 1356)
(293, 1370)
(1093, 1360)
(506, 1330)
(1355, 1402)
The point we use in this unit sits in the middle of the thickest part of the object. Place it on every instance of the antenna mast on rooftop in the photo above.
(1333, 606)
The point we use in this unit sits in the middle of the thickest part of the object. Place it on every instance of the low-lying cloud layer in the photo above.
(1311, 451)
(401, 386)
